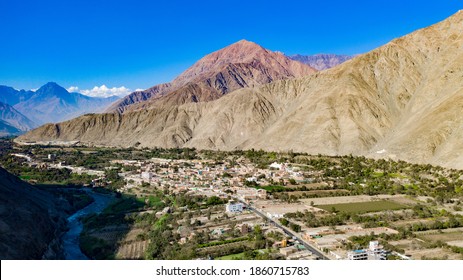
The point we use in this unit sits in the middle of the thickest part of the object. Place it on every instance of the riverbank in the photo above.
(71, 238)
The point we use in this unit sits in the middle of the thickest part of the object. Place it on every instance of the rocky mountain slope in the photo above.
(321, 61)
(402, 100)
(51, 103)
(240, 65)
(12, 118)
(29, 219)
(7, 130)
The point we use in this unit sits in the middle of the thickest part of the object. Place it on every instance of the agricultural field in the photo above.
(401, 199)
(363, 207)
(244, 255)
(433, 253)
(319, 193)
(132, 251)
(418, 249)
(449, 236)
(232, 257)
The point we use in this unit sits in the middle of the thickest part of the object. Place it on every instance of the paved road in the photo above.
(309, 247)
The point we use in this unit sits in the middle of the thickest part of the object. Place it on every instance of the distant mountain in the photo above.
(7, 130)
(13, 122)
(30, 219)
(321, 61)
(52, 103)
(11, 96)
(241, 65)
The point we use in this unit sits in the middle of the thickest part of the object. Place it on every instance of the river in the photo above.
(70, 239)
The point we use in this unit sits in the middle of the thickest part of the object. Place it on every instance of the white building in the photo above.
(374, 252)
(234, 207)
(276, 165)
(146, 176)
(251, 179)
(357, 255)
(275, 215)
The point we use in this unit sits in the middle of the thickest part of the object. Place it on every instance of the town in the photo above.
(188, 204)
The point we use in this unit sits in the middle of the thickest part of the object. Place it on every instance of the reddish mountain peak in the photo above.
(242, 64)
(239, 52)
(241, 47)
(242, 51)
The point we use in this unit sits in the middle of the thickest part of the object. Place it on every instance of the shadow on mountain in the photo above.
(104, 233)
(31, 220)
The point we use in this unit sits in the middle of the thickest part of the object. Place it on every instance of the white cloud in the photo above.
(139, 89)
(102, 91)
(73, 89)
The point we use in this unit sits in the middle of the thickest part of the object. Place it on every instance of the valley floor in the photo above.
(189, 204)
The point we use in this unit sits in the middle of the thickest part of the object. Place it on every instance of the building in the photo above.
(146, 176)
(357, 255)
(251, 179)
(284, 243)
(261, 193)
(286, 251)
(374, 252)
(276, 165)
(234, 207)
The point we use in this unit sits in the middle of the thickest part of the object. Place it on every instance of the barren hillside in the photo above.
(240, 65)
(402, 100)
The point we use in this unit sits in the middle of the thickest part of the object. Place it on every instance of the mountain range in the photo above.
(13, 122)
(402, 100)
(23, 110)
(321, 61)
(240, 65)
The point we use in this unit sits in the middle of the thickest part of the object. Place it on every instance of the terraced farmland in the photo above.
(363, 207)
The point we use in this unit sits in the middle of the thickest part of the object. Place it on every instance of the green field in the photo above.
(363, 207)
(240, 256)
(272, 189)
(231, 257)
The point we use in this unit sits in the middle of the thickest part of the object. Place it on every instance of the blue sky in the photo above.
(137, 44)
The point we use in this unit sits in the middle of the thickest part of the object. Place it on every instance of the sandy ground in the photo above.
(357, 198)
(458, 243)
(438, 253)
(279, 208)
(133, 250)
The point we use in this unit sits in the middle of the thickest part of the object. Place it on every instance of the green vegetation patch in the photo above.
(271, 189)
(217, 243)
(96, 248)
(363, 207)
(444, 236)
(125, 204)
(247, 255)
(238, 256)
(156, 202)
